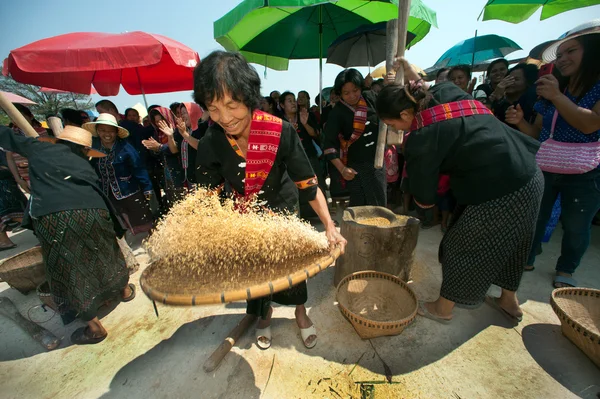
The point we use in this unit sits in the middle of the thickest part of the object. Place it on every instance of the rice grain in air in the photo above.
(206, 245)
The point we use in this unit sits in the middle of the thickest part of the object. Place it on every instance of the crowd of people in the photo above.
(467, 165)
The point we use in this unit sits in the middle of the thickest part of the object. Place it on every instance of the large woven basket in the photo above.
(24, 271)
(174, 296)
(579, 312)
(376, 303)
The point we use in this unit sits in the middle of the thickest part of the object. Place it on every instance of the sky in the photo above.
(191, 23)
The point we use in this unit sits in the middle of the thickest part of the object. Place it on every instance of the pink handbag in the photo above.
(567, 158)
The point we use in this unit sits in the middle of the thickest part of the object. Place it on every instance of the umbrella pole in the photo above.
(474, 47)
(401, 25)
(320, 60)
(137, 72)
(14, 114)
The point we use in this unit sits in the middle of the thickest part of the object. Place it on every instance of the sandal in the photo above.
(131, 296)
(4, 248)
(567, 281)
(265, 334)
(306, 333)
(422, 311)
(529, 268)
(82, 336)
(493, 302)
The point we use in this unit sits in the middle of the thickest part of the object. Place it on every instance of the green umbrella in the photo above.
(516, 11)
(303, 29)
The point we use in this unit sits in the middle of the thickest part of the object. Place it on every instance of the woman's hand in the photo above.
(348, 174)
(148, 196)
(335, 238)
(182, 127)
(151, 144)
(513, 115)
(501, 87)
(409, 72)
(390, 78)
(547, 87)
(165, 128)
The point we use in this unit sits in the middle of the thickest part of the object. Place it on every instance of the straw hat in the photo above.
(105, 119)
(78, 136)
(587, 28)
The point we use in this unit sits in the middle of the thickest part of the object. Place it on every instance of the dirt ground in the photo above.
(477, 356)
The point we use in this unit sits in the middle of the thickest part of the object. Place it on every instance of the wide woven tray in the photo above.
(185, 294)
(24, 271)
(579, 312)
(376, 303)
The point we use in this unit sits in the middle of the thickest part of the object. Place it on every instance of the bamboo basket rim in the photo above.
(35, 251)
(243, 294)
(355, 276)
(578, 291)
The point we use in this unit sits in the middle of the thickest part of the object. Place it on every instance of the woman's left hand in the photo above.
(547, 87)
(181, 126)
(151, 144)
(335, 238)
(166, 129)
(304, 116)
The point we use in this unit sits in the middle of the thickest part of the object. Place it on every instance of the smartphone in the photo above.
(546, 69)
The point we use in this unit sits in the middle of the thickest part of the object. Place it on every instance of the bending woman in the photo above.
(494, 177)
(227, 86)
(71, 218)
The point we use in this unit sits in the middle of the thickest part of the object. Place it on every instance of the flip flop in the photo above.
(569, 281)
(422, 311)
(529, 268)
(81, 336)
(493, 302)
(131, 296)
(306, 333)
(263, 333)
(4, 248)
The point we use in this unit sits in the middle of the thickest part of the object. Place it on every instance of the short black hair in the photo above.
(131, 109)
(226, 72)
(274, 91)
(150, 108)
(493, 63)
(441, 71)
(395, 98)
(108, 105)
(271, 102)
(530, 72)
(464, 68)
(283, 96)
(174, 108)
(318, 99)
(350, 75)
(72, 115)
(589, 71)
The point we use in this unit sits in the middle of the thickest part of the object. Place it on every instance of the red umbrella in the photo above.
(142, 63)
(57, 91)
(17, 99)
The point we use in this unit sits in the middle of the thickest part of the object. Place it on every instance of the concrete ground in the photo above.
(477, 356)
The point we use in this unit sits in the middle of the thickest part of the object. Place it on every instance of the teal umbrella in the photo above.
(516, 11)
(477, 50)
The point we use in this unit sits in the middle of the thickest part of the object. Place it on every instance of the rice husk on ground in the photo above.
(206, 245)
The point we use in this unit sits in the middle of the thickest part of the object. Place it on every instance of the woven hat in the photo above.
(588, 28)
(105, 119)
(78, 136)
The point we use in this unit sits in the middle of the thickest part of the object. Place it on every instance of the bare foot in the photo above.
(127, 291)
(432, 308)
(511, 306)
(264, 324)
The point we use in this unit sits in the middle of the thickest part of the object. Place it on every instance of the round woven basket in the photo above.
(172, 296)
(24, 271)
(579, 312)
(43, 292)
(376, 303)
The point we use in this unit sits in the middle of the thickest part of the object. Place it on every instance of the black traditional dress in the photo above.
(354, 142)
(278, 175)
(71, 218)
(497, 184)
(12, 199)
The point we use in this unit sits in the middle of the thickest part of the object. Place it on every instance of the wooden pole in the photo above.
(215, 359)
(14, 114)
(396, 44)
(55, 125)
(40, 334)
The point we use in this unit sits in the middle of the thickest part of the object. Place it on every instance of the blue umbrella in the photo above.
(477, 50)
